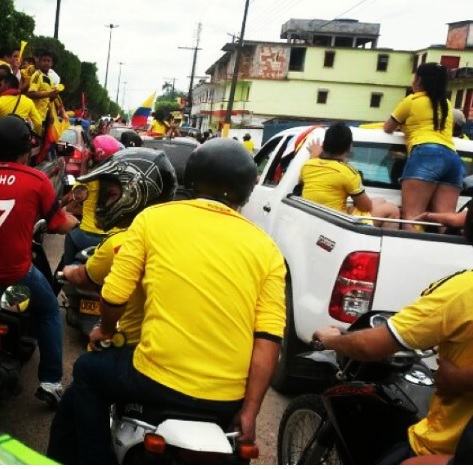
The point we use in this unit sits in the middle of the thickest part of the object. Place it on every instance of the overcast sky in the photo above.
(150, 33)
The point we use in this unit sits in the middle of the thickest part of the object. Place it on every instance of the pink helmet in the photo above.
(105, 146)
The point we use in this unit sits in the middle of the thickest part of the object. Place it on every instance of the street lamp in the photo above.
(123, 95)
(119, 75)
(56, 24)
(111, 26)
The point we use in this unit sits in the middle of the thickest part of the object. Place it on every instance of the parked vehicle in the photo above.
(338, 267)
(142, 434)
(82, 306)
(178, 151)
(126, 135)
(366, 410)
(74, 145)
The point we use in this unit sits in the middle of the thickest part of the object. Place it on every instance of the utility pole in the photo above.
(194, 61)
(111, 26)
(56, 24)
(119, 76)
(231, 98)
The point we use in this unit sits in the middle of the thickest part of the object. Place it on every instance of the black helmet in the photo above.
(223, 169)
(15, 137)
(146, 177)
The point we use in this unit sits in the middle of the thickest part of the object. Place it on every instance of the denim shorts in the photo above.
(432, 162)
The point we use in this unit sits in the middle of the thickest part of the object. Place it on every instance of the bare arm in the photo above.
(452, 381)
(362, 202)
(77, 275)
(42, 94)
(263, 363)
(390, 125)
(454, 219)
(363, 345)
(70, 223)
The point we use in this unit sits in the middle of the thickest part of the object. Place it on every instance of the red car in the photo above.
(74, 146)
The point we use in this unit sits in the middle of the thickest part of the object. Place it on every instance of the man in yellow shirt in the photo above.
(112, 177)
(440, 317)
(248, 143)
(214, 311)
(13, 102)
(42, 91)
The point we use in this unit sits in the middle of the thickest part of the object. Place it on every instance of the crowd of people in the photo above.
(176, 313)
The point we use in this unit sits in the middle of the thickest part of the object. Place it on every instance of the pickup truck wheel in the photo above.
(282, 380)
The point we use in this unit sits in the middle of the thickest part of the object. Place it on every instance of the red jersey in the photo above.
(26, 194)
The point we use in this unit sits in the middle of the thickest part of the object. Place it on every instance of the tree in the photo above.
(14, 25)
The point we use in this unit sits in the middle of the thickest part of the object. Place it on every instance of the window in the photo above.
(322, 96)
(329, 58)
(450, 61)
(459, 99)
(382, 65)
(375, 100)
(282, 160)
(297, 59)
(423, 58)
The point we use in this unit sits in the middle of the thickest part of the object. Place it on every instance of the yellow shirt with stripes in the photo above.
(26, 109)
(98, 267)
(42, 83)
(416, 116)
(213, 281)
(441, 316)
(329, 182)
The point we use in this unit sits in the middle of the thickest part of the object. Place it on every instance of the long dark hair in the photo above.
(433, 78)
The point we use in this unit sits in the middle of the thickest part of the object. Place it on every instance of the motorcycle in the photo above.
(18, 339)
(366, 409)
(82, 306)
(143, 434)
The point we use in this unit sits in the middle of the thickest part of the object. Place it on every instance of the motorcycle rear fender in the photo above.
(195, 436)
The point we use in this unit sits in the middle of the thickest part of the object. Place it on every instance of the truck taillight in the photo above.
(353, 291)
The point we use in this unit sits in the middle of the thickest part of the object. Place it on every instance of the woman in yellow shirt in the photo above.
(433, 175)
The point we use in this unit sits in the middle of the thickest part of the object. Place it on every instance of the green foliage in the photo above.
(78, 78)
(166, 105)
(14, 26)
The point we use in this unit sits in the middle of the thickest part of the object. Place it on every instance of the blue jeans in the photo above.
(101, 378)
(436, 163)
(45, 311)
(76, 240)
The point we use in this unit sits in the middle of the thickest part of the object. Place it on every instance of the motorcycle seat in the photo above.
(155, 414)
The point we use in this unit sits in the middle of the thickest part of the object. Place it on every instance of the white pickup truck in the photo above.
(337, 266)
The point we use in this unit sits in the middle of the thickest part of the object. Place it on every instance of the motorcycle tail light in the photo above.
(353, 291)
(3, 329)
(154, 443)
(248, 450)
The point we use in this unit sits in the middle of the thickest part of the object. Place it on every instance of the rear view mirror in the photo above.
(15, 299)
(80, 193)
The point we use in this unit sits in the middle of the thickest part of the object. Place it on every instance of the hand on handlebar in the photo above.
(330, 331)
(96, 336)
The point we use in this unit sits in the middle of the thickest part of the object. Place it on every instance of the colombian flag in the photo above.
(140, 116)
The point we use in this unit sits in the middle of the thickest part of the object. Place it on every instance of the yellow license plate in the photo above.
(90, 307)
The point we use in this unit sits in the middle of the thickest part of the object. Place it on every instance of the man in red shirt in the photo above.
(26, 195)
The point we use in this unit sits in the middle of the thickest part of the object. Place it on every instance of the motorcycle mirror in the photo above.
(15, 299)
(80, 193)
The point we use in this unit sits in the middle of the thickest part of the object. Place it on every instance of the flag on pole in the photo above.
(22, 49)
(140, 116)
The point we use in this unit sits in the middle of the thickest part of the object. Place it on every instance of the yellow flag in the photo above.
(22, 49)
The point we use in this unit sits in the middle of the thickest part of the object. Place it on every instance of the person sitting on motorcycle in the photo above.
(87, 233)
(440, 317)
(27, 194)
(214, 312)
(113, 177)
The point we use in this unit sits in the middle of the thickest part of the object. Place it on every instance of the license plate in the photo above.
(90, 307)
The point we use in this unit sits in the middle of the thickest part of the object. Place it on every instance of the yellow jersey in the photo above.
(41, 82)
(416, 117)
(88, 208)
(26, 109)
(158, 127)
(249, 145)
(329, 182)
(213, 281)
(98, 267)
(441, 316)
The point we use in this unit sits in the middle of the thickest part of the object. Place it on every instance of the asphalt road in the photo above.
(28, 419)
